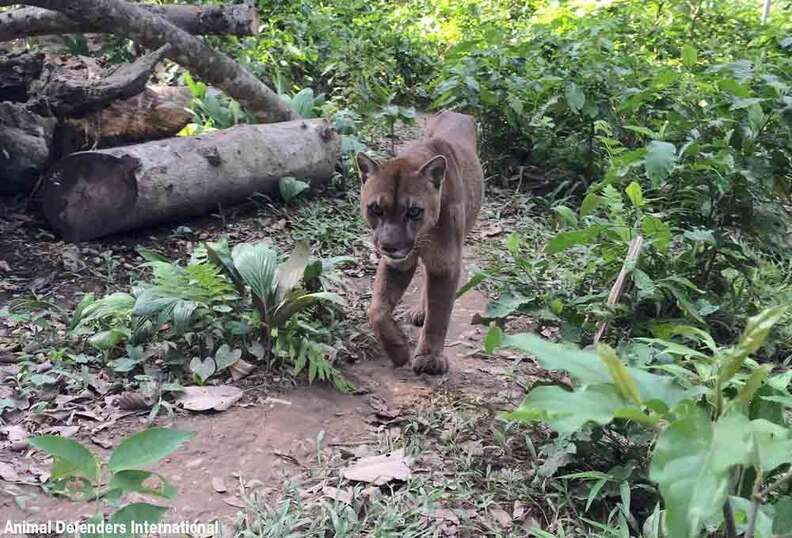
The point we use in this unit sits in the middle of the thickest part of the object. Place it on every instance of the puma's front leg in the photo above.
(389, 286)
(440, 291)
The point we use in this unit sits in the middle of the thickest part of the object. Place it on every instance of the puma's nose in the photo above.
(390, 250)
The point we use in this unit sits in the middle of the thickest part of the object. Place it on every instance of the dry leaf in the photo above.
(219, 485)
(341, 495)
(219, 397)
(8, 473)
(381, 409)
(502, 517)
(132, 401)
(236, 502)
(493, 230)
(14, 433)
(241, 369)
(379, 470)
(518, 512)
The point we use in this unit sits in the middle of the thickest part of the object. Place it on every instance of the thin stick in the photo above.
(618, 286)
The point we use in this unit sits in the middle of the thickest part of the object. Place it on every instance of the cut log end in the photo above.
(86, 191)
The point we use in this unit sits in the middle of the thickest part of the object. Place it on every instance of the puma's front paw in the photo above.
(430, 364)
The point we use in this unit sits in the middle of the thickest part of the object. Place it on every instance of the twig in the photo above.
(728, 517)
(618, 286)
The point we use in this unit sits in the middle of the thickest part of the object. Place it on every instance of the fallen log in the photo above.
(152, 31)
(96, 193)
(68, 90)
(239, 20)
(157, 112)
(25, 147)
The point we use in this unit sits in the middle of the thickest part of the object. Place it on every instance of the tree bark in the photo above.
(97, 193)
(68, 91)
(17, 73)
(240, 20)
(157, 112)
(25, 147)
(188, 51)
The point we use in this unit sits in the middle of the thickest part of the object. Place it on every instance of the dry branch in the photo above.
(96, 193)
(152, 31)
(25, 147)
(17, 73)
(615, 293)
(240, 20)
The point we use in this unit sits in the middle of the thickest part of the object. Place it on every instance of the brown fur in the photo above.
(440, 177)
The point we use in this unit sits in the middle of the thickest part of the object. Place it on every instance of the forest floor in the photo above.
(285, 443)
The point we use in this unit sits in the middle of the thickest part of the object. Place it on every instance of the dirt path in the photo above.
(272, 442)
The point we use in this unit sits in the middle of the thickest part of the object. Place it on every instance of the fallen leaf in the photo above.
(107, 445)
(379, 470)
(518, 512)
(8, 473)
(219, 485)
(63, 431)
(241, 369)
(473, 448)
(132, 401)
(444, 514)
(236, 502)
(381, 408)
(502, 517)
(14, 433)
(4, 266)
(341, 495)
(217, 397)
(492, 230)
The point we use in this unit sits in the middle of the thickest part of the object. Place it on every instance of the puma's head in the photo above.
(400, 201)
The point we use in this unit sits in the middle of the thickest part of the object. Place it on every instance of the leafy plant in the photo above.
(718, 421)
(78, 472)
(393, 114)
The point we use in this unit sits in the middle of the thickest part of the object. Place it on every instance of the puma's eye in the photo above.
(375, 209)
(415, 212)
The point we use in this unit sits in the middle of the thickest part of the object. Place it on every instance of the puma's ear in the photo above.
(366, 166)
(435, 170)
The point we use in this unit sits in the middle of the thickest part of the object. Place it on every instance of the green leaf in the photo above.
(291, 188)
(589, 204)
(691, 464)
(219, 254)
(133, 480)
(566, 215)
(146, 447)
(657, 231)
(752, 338)
(635, 194)
(565, 240)
(493, 339)
(138, 513)
(475, 279)
(659, 160)
(621, 375)
(71, 458)
(782, 520)
(513, 243)
(203, 369)
(297, 301)
(504, 306)
(752, 384)
(182, 315)
(567, 412)
(256, 264)
(575, 97)
(225, 357)
(87, 300)
(290, 273)
(689, 55)
(773, 444)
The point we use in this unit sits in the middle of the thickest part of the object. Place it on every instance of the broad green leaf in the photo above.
(290, 188)
(575, 97)
(290, 273)
(256, 264)
(659, 161)
(219, 254)
(513, 243)
(782, 520)
(74, 458)
(773, 444)
(565, 240)
(505, 306)
(635, 194)
(565, 215)
(225, 357)
(691, 464)
(182, 315)
(146, 447)
(139, 513)
(133, 480)
(657, 231)
(203, 369)
(589, 204)
(567, 412)
(87, 300)
(104, 340)
(624, 382)
(751, 340)
(689, 55)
